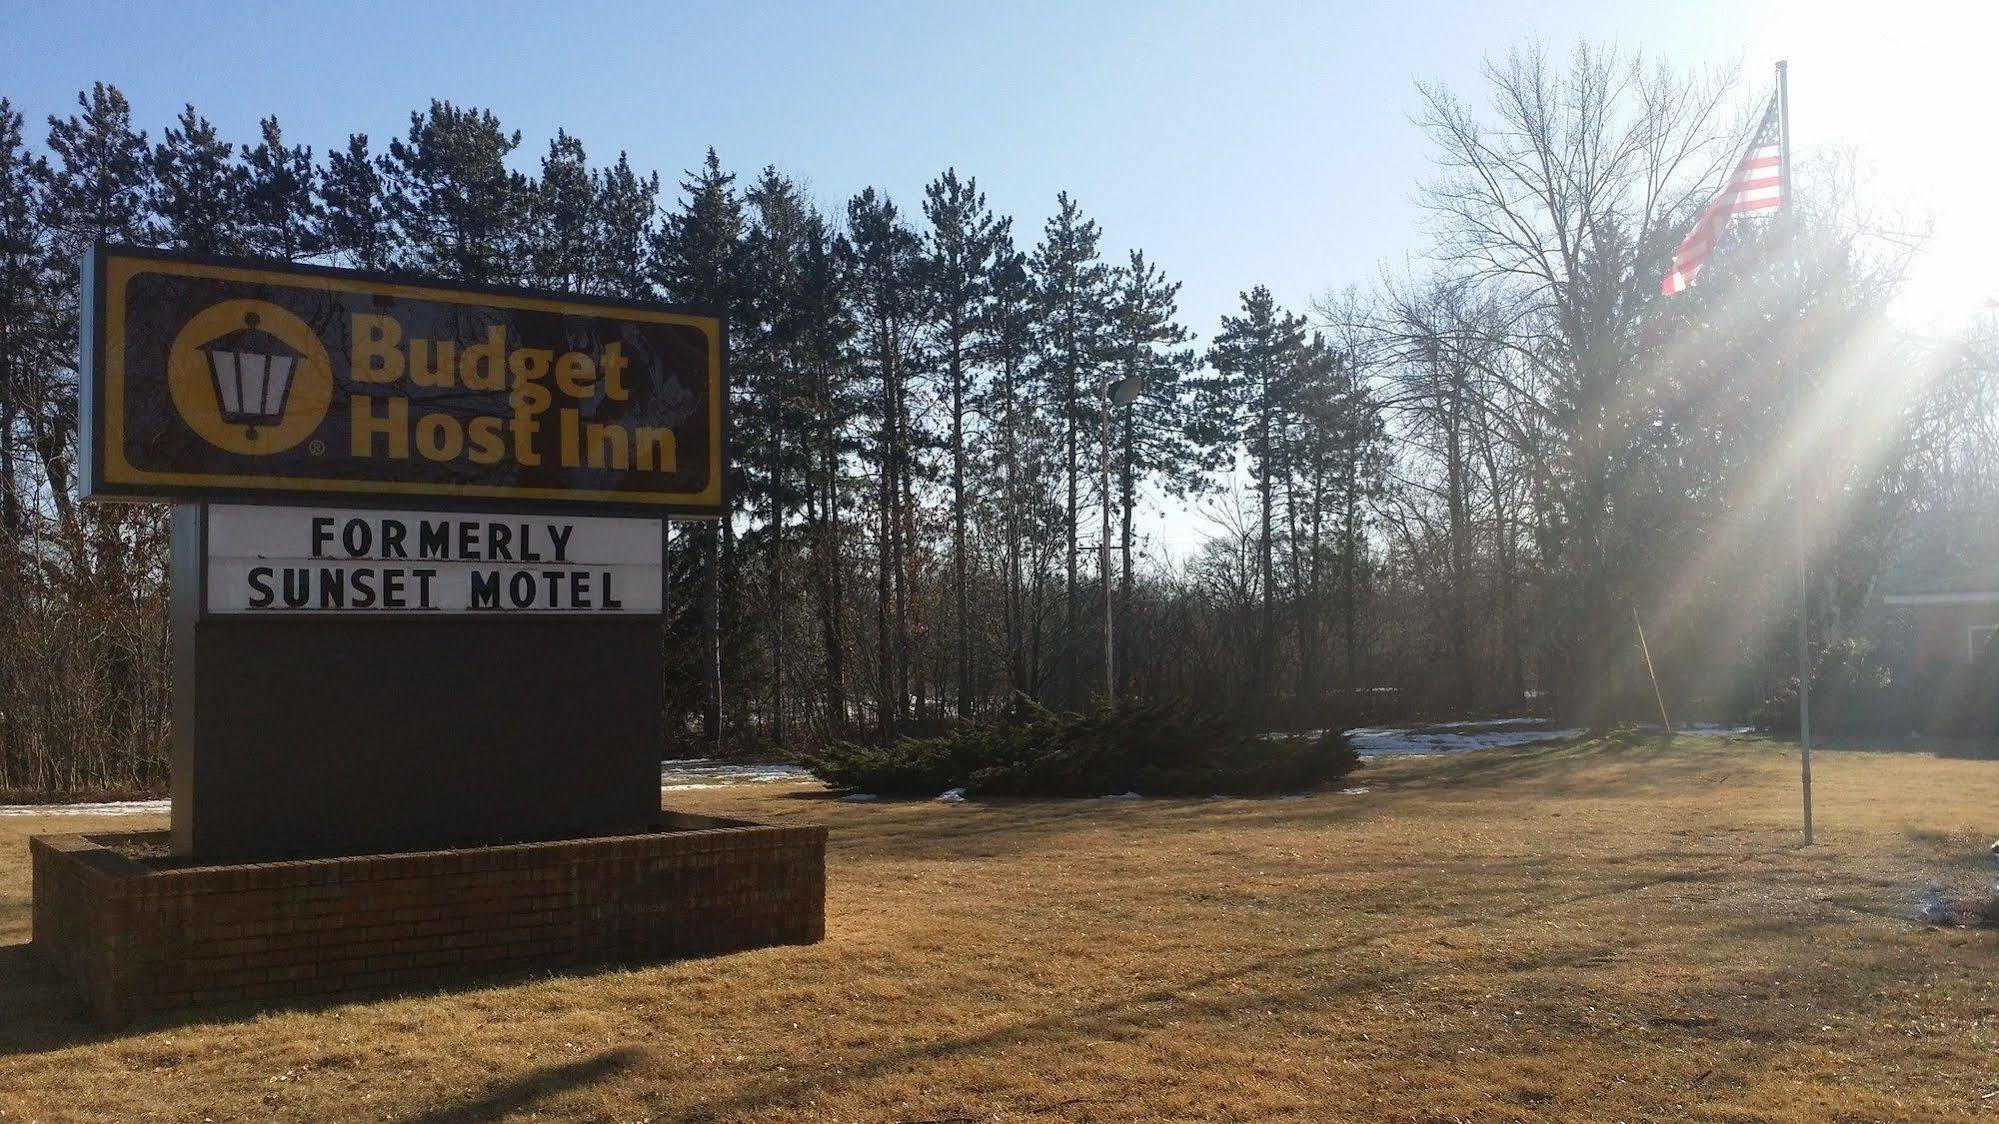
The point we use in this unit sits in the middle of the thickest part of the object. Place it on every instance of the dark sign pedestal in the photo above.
(335, 737)
(349, 735)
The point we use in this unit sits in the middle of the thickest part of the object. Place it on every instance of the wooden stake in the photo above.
(1647, 649)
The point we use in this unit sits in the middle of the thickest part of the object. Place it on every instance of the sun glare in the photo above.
(1907, 95)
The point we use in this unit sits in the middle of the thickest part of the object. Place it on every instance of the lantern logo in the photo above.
(249, 377)
(253, 376)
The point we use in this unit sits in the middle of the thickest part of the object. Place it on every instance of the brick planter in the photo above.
(141, 934)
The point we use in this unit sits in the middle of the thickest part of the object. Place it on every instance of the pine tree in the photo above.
(1152, 442)
(771, 346)
(1073, 286)
(833, 400)
(458, 210)
(1009, 408)
(95, 190)
(626, 212)
(697, 256)
(1335, 449)
(697, 252)
(198, 188)
(356, 206)
(1359, 455)
(283, 215)
(1245, 405)
(889, 304)
(562, 219)
(97, 187)
(27, 275)
(963, 238)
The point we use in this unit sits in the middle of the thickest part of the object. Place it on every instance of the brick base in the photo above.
(143, 935)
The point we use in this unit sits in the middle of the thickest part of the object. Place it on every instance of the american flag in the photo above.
(1757, 184)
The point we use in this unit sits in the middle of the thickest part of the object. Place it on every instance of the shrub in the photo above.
(1159, 749)
(1851, 693)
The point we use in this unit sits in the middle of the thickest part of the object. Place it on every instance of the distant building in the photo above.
(1955, 614)
(1941, 596)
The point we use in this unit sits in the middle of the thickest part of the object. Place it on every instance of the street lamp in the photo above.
(1115, 392)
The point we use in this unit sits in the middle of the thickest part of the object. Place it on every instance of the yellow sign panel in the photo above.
(225, 379)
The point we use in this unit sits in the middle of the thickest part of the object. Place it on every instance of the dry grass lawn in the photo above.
(1584, 932)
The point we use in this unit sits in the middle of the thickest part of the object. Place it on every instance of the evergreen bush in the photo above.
(1851, 693)
(1156, 749)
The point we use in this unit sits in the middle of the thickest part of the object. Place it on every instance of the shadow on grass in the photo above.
(41, 1011)
(993, 827)
(1249, 986)
(530, 1089)
(1964, 749)
(1577, 767)
(826, 796)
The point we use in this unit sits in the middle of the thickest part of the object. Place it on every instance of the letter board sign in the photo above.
(268, 561)
(222, 379)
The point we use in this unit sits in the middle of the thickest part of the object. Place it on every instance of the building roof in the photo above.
(1942, 560)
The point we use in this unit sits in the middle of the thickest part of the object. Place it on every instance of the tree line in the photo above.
(1452, 487)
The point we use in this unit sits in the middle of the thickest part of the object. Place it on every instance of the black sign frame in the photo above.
(96, 484)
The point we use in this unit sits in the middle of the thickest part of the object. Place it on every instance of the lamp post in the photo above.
(1116, 392)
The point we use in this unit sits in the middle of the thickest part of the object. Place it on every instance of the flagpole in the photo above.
(1797, 451)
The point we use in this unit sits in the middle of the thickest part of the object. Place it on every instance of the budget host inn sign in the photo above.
(231, 381)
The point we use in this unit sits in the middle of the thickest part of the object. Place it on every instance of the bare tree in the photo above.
(1562, 202)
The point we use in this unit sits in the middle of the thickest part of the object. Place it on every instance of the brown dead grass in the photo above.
(1575, 932)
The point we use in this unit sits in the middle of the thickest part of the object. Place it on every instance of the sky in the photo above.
(1236, 143)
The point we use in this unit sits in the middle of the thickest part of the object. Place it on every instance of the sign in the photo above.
(417, 556)
(217, 379)
(297, 560)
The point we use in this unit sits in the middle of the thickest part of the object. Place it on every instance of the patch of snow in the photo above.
(1362, 791)
(1467, 725)
(1123, 796)
(1934, 909)
(1491, 722)
(706, 772)
(115, 808)
(1292, 796)
(859, 798)
(952, 796)
(1392, 741)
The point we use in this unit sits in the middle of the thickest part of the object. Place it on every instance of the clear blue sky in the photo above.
(1235, 143)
